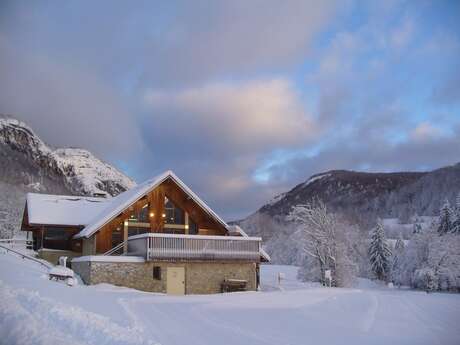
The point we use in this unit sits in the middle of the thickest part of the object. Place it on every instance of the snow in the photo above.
(202, 237)
(61, 271)
(34, 310)
(315, 178)
(63, 210)
(392, 242)
(88, 171)
(276, 198)
(108, 258)
(393, 225)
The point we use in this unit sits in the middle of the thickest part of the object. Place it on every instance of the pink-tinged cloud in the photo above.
(235, 117)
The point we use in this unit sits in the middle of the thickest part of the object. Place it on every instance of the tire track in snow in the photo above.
(370, 315)
(201, 316)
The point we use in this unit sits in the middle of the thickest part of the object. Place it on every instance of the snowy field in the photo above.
(34, 310)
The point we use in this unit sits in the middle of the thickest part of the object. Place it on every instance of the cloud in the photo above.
(425, 131)
(222, 131)
(417, 152)
(448, 92)
(66, 105)
(243, 117)
(216, 39)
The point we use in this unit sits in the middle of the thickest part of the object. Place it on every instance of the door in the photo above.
(175, 281)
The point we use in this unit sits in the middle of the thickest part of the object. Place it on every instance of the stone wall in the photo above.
(207, 277)
(200, 277)
(83, 269)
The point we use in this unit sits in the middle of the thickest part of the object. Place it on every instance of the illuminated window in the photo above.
(173, 214)
(142, 216)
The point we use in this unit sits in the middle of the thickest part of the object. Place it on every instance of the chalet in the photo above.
(158, 236)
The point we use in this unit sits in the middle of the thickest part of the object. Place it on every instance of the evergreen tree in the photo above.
(379, 252)
(445, 218)
(456, 223)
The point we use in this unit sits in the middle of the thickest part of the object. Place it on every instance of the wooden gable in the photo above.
(155, 201)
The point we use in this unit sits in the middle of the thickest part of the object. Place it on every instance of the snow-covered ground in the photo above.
(34, 310)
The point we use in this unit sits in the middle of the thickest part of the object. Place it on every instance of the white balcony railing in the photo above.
(155, 246)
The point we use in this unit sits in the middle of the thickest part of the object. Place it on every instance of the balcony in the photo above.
(171, 247)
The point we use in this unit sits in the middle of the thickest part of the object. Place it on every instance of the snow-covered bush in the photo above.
(440, 255)
(425, 279)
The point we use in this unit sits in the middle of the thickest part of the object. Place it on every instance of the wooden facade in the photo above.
(154, 201)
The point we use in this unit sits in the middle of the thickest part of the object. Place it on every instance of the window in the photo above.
(57, 238)
(173, 214)
(157, 272)
(142, 216)
(192, 227)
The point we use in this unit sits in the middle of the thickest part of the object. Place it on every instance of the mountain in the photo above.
(359, 197)
(29, 164)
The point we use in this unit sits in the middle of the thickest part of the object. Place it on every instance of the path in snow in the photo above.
(34, 310)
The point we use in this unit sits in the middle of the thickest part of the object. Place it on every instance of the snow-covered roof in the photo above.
(63, 209)
(119, 203)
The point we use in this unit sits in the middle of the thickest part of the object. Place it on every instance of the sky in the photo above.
(241, 99)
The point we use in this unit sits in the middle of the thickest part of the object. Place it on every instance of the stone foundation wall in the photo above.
(200, 277)
(83, 269)
(207, 277)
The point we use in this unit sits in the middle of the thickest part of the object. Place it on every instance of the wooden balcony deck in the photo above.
(172, 247)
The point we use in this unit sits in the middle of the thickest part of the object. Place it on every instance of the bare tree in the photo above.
(321, 242)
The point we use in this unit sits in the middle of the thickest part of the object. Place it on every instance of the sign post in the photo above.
(328, 277)
(281, 276)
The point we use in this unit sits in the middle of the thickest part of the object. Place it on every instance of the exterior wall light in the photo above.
(152, 214)
(163, 215)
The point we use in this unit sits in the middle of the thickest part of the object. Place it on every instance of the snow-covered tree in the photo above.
(379, 253)
(398, 256)
(432, 261)
(445, 218)
(456, 222)
(323, 242)
(425, 278)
